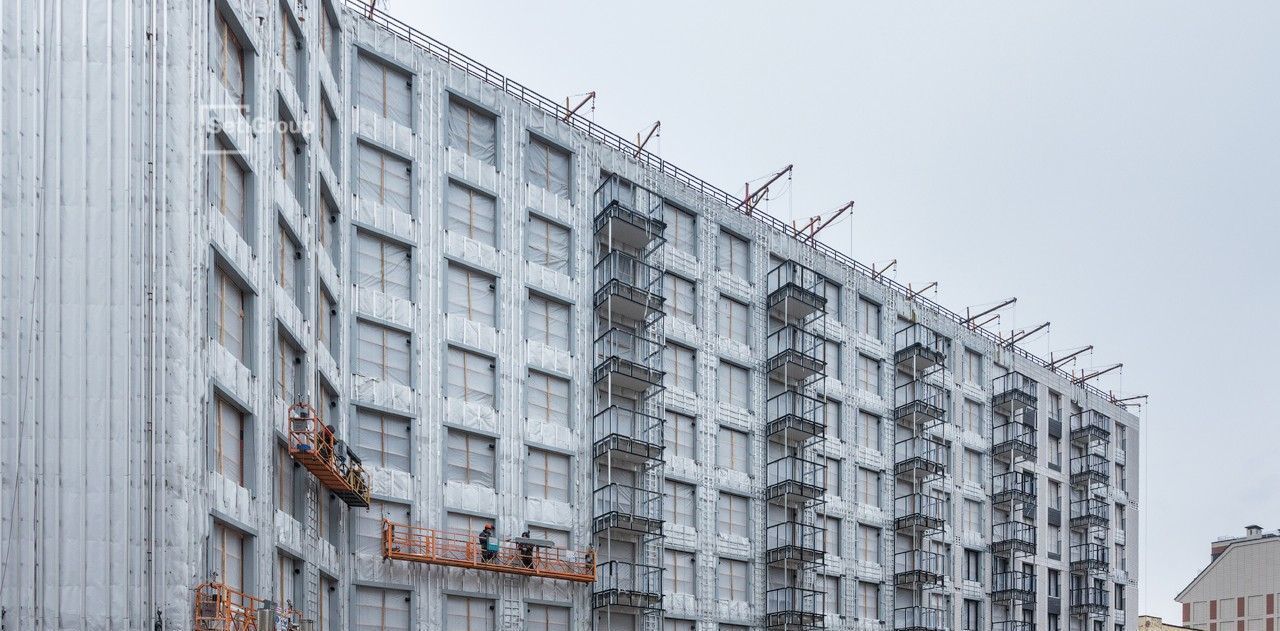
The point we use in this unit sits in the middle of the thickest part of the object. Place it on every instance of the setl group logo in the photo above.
(234, 122)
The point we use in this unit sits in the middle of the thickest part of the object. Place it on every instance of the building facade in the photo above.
(512, 317)
(1238, 589)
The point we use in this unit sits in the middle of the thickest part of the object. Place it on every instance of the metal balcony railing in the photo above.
(628, 508)
(794, 416)
(1090, 469)
(1013, 625)
(1089, 600)
(919, 402)
(794, 354)
(1017, 585)
(918, 512)
(1013, 390)
(628, 287)
(1012, 440)
(794, 607)
(1017, 487)
(1015, 536)
(795, 291)
(794, 542)
(1090, 426)
(919, 618)
(919, 567)
(629, 214)
(628, 435)
(622, 583)
(794, 479)
(920, 455)
(1090, 512)
(919, 349)
(633, 360)
(1088, 556)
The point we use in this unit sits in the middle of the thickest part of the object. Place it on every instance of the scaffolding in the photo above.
(920, 458)
(795, 478)
(219, 607)
(1014, 401)
(405, 542)
(1090, 517)
(332, 461)
(629, 419)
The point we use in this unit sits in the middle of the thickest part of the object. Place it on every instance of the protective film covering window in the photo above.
(547, 398)
(463, 613)
(680, 571)
(228, 60)
(382, 353)
(469, 458)
(731, 514)
(290, 51)
(868, 318)
(682, 229)
(327, 228)
(868, 374)
(679, 504)
(868, 486)
(681, 365)
(227, 183)
(471, 377)
(288, 370)
(227, 555)
(731, 384)
(327, 323)
(546, 618)
(548, 476)
(547, 321)
(869, 430)
(731, 449)
(547, 166)
(288, 264)
(229, 316)
(473, 132)
(470, 213)
(732, 255)
(377, 609)
(228, 447)
(471, 295)
(383, 90)
(681, 298)
(382, 440)
(732, 581)
(733, 320)
(383, 178)
(680, 435)
(868, 601)
(547, 244)
(868, 544)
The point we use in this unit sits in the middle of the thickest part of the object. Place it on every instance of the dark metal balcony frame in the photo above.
(918, 513)
(1013, 586)
(792, 480)
(628, 287)
(1014, 537)
(1013, 489)
(795, 355)
(795, 292)
(1013, 625)
(1013, 440)
(628, 586)
(794, 417)
(621, 219)
(1089, 601)
(1090, 427)
(633, 370)
(919, 403)
(1090, 512)
(919, 618)
(1012, 391)
(1089, 557)
(627, 436)
(920, 457)
(793, 544)
(920, 350)
(1090, 469)
(637, 517)
(794, 608)
(919, 569)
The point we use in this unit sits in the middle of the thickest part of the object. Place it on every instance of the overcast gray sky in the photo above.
(1116, 166)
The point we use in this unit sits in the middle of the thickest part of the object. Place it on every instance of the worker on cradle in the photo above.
(526, 551)
(488, 544)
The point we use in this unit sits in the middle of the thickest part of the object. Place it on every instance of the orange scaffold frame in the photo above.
(313, 445)
(222, 608)
(459, 549)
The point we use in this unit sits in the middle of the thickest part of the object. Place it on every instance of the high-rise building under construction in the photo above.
(427, 350)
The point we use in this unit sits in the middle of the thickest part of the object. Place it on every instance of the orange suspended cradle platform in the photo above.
(222, 608)
(314, 445)
(459, 549)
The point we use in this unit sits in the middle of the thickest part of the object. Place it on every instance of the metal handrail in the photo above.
(793, 273)
(1090, 419)
(629, 500)
(924, 447)
(1013, 531)
(792, 402)
(1024, 481)
(792, 533)
(626, 576)
(918, 333)
(918, 504)
(620, 266)
(629, 423)
(919, 560)
(794, 338)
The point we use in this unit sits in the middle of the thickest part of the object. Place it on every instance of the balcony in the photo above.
(627, 510)
(1013, 440)
(1014, 488)
(919, 403)
(1013, 536)
(1013, 625)
(1013, 586)
(918, 513)
(919, 457)
(1090, 513)
(627, 360)
(627, 288)
(794, 608)
(1013, 391)
(629, 217)
(919, 619)
(792, 544)
(793, 480)
(795, 292)
(794, 417)
(918, 568)
(1088, 557)
(920, 349)
(627, 585)
(627, 436)
(1090, 426)
(1090, 469)
(794, 355)
(1089, 600)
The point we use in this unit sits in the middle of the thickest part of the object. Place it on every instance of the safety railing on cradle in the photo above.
(405, 542)
(219, 607)
(696, 185)
(316, 447)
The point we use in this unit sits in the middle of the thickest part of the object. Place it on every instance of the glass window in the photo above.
(868, 544)
(228, 184)
(228, 447)
(868, 601)
(831, 413)
(464, 613)
(471, 377)
(731, 515)
(681, 435)
(868, 318)
(679, 572)
(732, 580)
(546, 618)
(548, 476)
(472, 295)
(868, 374)
(681, 299)
(680, 506)
(383, 265)
(383, 178)
(229, 316)
(547, 398)
(547, 321)
(972, 420)
(383, 90)
(868, 430)
(547, 166)
(473, 132)
(731, 384)
(832, 482)
(682, 229)
(972, 367)
(831, 591)
(732, 450)
(469, 458)
(382, 440)
(973, 566)
(547, 244)
(228, 60)
(471, 213)
(831, 535)
(681, 365)
(382, 353)
(733, 255)
(868, 486)
(831, 350)
(733, 320)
